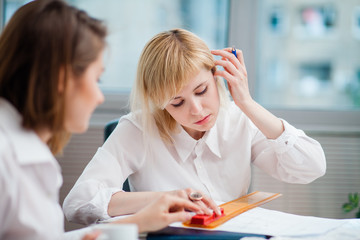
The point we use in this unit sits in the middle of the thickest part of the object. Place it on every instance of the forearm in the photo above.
(137, 219)
(161, 212)
(271, 126)
(130, 202)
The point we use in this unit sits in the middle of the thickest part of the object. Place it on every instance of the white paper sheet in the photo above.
(275, 223)
(350, 230)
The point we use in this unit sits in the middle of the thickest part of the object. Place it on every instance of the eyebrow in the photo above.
(193, 90)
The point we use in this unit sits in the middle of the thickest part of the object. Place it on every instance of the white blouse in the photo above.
(30, 180)
(219, 164)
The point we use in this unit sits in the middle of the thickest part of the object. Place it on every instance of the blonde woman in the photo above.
(51, 57)
(183, 132)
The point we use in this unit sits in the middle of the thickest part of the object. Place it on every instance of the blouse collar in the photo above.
(185, 144)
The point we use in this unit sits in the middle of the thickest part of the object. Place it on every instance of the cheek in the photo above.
(80, 103)
(73, 106)
(90, 92)
(214, 98)
(178, 114)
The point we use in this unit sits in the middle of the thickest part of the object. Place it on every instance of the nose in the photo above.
(101, 97)
(195, 106)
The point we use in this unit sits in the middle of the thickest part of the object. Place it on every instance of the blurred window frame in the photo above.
(243, 34)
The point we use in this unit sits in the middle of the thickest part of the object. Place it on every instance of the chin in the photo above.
(84, 128)
(209, 125)
(79, 128)
(204, 128)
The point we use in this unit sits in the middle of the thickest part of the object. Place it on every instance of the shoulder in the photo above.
(127, 132)
(4, 142)
(232, 120)
(8, 163)
(131, 120)
(9, 129)
(231, 115)
(8, 182)
(5, 148)
(133, 123)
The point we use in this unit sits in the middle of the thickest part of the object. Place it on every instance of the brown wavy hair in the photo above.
(43, 38)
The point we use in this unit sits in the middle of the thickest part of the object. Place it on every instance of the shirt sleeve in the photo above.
(120, 156)
(6, 201)
(293, 157)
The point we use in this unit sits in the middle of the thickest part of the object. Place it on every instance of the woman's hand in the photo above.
(161, 212)
(205, 203)
(235, 75)
(91, 236)
(131, 202)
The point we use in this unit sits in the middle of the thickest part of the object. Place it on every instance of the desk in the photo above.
(262, 223)
(348, 231)
(266, 223)
(194, 234)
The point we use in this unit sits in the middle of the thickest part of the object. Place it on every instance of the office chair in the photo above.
(109, 128)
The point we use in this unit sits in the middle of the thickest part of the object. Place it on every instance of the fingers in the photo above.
(231, 74)
(180, 203)
(239, 53)
(227, 54)
(91, 236)
(225, 75)
(205, 209)
(173, 203)
(205, 203)
(228, 66)
(209, 202)
(184, 194)
(178, 217)
(234, 67)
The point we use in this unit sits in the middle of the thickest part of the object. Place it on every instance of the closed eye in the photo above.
(178, 104)
(202, 92)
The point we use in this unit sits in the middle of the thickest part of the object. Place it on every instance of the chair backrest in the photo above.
(109, 128)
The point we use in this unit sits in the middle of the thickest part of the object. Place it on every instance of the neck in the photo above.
(194, 133)
(44, 134)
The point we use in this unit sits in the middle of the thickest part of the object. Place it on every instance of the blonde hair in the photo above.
(166, 64)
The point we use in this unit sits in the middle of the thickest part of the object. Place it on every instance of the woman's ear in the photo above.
(213, 70)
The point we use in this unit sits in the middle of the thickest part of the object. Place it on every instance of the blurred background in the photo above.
(303, 62)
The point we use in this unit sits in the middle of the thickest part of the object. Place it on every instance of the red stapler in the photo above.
(202, 219)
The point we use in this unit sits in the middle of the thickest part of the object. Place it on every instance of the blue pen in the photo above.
(233, 50)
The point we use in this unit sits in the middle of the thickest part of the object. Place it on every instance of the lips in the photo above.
(204, 120)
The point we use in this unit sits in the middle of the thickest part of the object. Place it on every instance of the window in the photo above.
(302, 59)
(132, 23)
(308, 54)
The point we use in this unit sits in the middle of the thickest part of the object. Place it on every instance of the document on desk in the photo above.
(275, 223)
